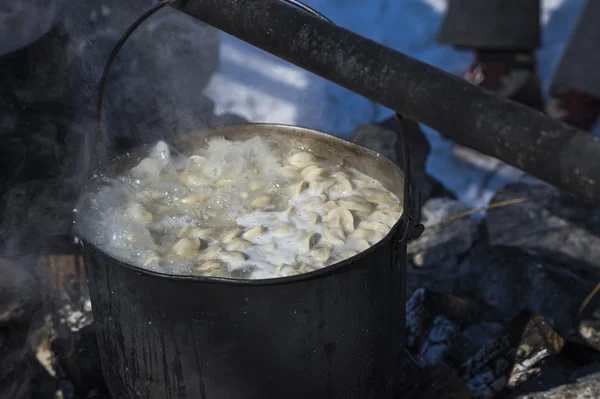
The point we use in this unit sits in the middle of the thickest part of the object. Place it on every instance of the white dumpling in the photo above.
(254, 233)
(321, 186)
(198, 160)
(193, 180)
(256, 185)
(392, 207)
(362, 245)
(307, 268)
(147, 169)
(329, 206)
(342, 186)
(301, 159)
(369, 235)
(283, 268)
(238, 244)
(209, 266)
(138, 214)
(313, 172)
(375, 226)
(306, 242)
(225, 182)
(186, 247)
(334, 236)
(288, 214)
(347, 253)
(340, 218)
(268, 247)
(222, 272)
(376, 195)
(298, 188)
(261, 202)
(290, 172)
(321, 254)
(387, 217)
(356, 203)
(358, 183)
(282, 228)
(233, 257)
(312, 218)
(362, 233)
(196, 232)
(152, 259)
(229, 235)
(312, 203)
(194, 199)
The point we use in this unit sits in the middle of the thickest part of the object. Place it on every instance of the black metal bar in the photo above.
(481, 120)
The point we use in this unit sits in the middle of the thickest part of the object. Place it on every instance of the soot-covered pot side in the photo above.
(332, 333)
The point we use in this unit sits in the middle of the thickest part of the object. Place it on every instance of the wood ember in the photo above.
(432, 323)
(512, 357)
(589, 330)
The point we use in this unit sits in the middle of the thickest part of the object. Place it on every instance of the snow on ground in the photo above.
(264, 88)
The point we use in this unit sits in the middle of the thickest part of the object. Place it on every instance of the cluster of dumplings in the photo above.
(250, 209)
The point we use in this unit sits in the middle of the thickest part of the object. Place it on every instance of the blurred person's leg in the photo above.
(575, 89)
(503, 35)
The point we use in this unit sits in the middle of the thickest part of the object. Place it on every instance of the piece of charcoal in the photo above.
(432, 321)
(512, 357)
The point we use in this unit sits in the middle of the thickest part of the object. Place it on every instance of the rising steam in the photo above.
(50, 138)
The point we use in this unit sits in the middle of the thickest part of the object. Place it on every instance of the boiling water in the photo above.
(250, 209)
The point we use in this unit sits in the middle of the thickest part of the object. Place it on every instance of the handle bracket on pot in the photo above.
(412, 196)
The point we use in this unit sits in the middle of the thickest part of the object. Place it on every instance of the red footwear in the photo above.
(574, 107)
(511, 74)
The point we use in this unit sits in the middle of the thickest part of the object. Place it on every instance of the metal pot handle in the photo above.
(115, 51)
(412, 201)
(179, 4)
(412, 196)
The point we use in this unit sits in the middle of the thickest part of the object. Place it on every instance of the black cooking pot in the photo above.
(332, 333)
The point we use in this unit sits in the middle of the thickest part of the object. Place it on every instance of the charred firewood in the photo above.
(513, 357)
(429, 332)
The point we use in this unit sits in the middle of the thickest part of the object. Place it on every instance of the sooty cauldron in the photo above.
(337, 332)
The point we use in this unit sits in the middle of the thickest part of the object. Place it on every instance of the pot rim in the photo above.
(394, 234)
